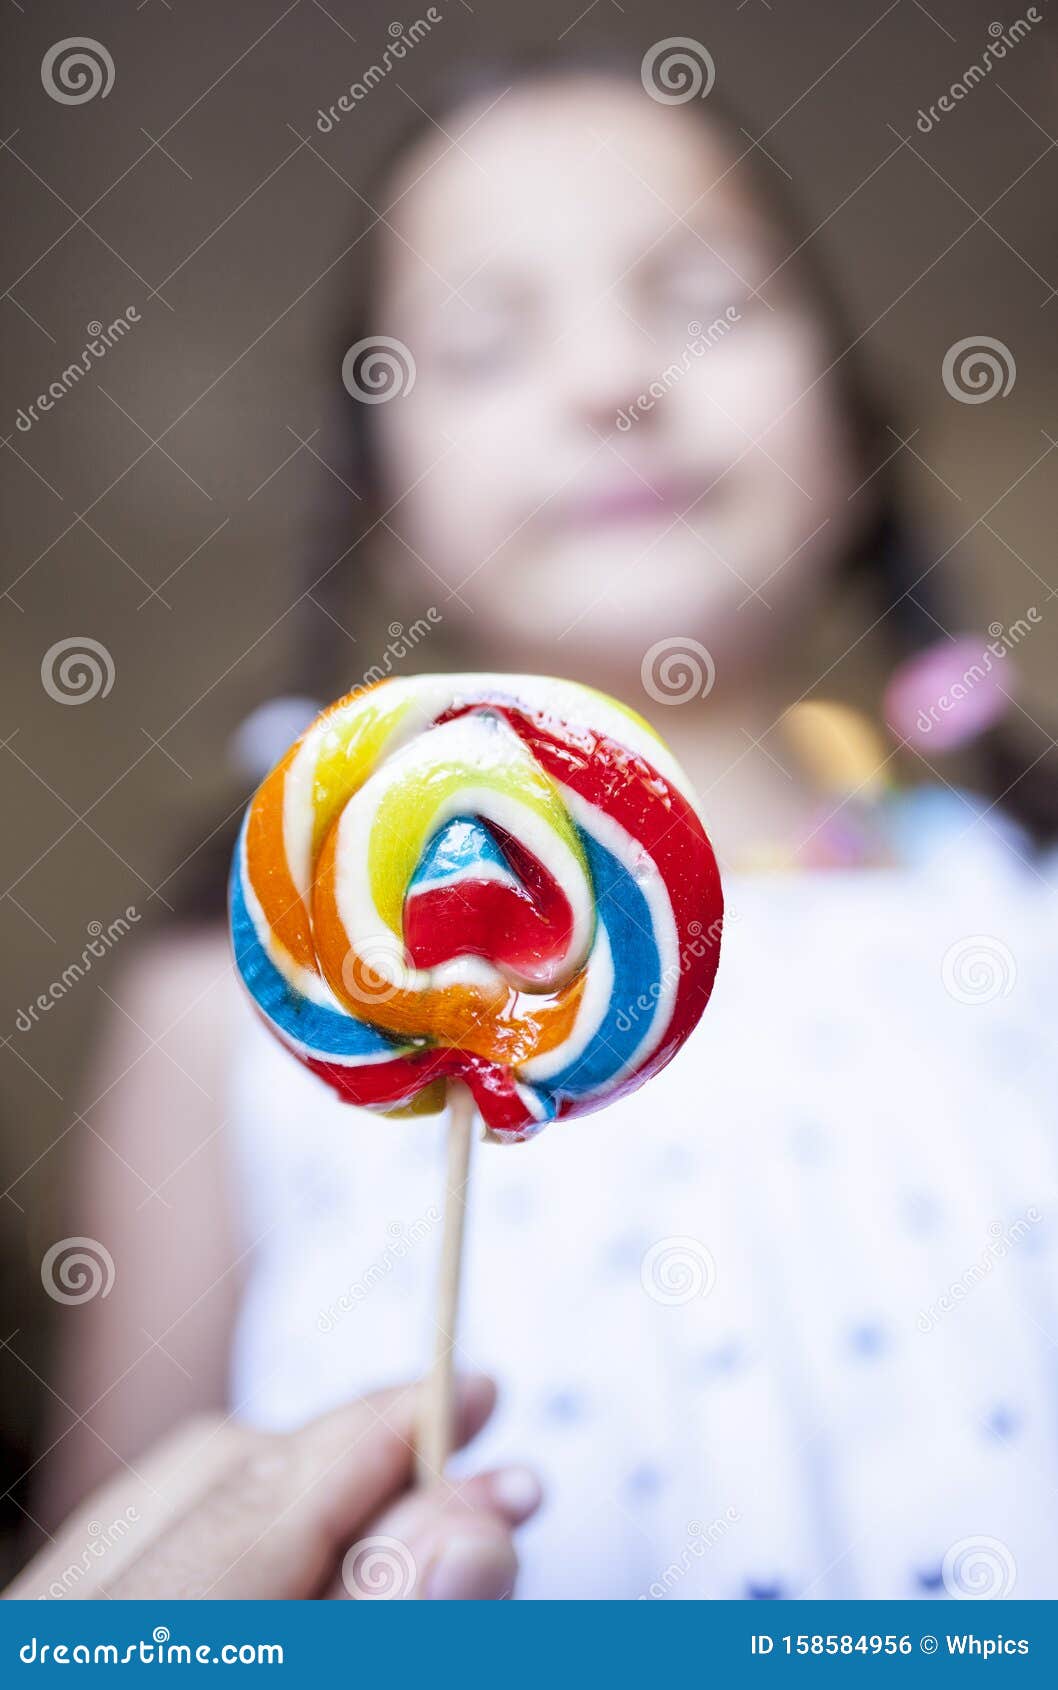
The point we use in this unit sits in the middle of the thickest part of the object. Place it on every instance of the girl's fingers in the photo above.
(116, 1524)
(447, 1542)
(475, 1562)
(513, 1493)
(275, 1522)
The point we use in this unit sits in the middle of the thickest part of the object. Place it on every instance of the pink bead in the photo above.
(950, 693)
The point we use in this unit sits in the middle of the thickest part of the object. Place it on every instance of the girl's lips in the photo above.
(627, 502)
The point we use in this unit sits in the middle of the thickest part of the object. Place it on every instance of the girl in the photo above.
(782, 1323)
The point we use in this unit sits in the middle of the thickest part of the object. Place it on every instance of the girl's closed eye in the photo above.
(481, 335)
(694, 289)
(699, 276)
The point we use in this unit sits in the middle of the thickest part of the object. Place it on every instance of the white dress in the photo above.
(784, 1322)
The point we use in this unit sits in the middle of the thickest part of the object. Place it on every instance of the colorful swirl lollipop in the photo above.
(498, 879)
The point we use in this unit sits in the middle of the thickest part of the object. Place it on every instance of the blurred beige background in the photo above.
(167, 508)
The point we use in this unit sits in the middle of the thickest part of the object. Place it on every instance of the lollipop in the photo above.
(457, 877)
(492, 882)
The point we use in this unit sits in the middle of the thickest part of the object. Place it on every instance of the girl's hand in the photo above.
(220, 1510)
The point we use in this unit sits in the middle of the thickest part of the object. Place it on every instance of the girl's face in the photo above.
(610, 437)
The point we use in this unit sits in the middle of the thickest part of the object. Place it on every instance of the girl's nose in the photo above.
(607, 363)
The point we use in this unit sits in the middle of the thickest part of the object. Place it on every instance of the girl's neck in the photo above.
(752, 792)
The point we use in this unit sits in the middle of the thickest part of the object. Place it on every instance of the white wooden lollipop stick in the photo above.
(435, 1418)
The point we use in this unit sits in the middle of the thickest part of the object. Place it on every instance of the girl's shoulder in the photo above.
(171, 1027)
(184, 972)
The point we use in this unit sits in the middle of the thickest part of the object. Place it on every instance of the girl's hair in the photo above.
(886, 558)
